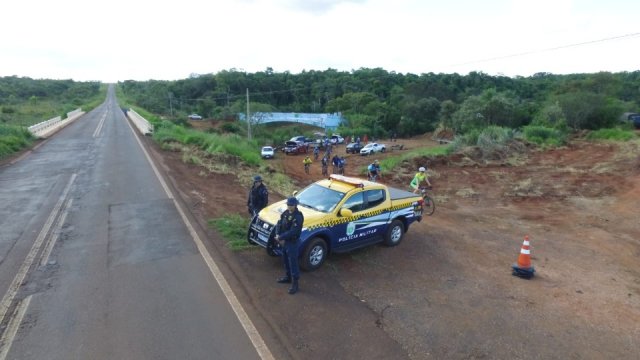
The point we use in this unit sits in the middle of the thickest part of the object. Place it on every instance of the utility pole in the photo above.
(248, 119)
(170, 103)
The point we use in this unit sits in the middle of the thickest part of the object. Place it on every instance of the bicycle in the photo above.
(373, 178)
(306, 168)
(429, 204)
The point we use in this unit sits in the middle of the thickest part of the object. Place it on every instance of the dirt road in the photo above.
(447, 290)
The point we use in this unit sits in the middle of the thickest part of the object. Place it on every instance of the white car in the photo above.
(371, 148)
(267, 152)
(195, 117)
(336, 139)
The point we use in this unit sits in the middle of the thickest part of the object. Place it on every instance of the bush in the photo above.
(545, 136)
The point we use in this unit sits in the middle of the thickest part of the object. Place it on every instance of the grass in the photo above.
(13, 138)
(614, 134)
(233, 228)
(390, 163)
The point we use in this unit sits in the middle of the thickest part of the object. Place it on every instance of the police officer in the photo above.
(288, 235)
(258, 196)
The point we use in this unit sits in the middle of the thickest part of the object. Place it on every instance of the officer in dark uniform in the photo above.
(288, 235)
(258, 196)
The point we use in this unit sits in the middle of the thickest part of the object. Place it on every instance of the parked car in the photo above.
(267, 152)
(354, 148)
(336, 139)
(371, 148)
(195, 117)
(635, 119)
(295, 147)
(302, 139)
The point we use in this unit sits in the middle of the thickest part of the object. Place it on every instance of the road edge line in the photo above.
(245, 321)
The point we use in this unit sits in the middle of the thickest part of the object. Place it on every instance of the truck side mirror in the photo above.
(344, 212)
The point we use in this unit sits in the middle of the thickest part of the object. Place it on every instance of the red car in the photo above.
(294, 147)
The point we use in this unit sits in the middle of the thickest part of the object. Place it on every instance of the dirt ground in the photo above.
(447, 290)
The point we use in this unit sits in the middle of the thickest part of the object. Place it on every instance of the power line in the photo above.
(549, 49)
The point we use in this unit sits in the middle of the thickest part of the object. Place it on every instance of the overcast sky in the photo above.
(118, 40)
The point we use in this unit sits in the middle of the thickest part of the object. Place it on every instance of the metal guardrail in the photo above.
(141, 123)
(48, 127)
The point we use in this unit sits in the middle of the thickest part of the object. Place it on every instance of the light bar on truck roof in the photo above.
(347, 180)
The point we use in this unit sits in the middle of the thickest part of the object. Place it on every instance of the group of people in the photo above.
(288, 230)
(289, 226)
(338, 163)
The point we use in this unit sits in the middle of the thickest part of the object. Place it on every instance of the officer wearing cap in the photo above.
(288, 236)
(258, 196)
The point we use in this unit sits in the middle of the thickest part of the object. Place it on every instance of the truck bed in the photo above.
(397, 194)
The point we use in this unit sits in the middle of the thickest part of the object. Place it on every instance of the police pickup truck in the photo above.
(340, 214)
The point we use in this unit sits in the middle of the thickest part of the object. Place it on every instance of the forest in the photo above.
(376, 101)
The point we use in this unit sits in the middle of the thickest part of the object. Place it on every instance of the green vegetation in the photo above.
(234, 230)
(614, 134)
(544, 136)
(13, 138)
(394, 161)
(375, 102)
(25, 102)
(211, 143)
(488, 140)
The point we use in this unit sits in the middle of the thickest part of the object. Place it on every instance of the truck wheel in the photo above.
(394, 233)
(383, 149)
(271, 248)
(313, 255)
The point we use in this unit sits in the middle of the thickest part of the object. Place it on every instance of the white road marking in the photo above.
(12, 328)
(245, 321)
(97, 132)
(12, 291)
(55, 234)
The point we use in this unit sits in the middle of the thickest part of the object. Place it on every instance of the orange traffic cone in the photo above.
(523, 268)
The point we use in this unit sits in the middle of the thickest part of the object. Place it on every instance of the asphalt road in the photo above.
(96, 261)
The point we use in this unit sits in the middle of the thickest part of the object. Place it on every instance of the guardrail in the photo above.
(141, 123)
(49, 127)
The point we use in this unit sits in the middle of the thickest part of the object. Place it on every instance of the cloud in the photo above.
(319, 7)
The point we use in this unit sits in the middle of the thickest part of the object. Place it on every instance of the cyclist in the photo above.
(374, 171)
(316, 152)
(420, 178)
(325, 163)
(307, 164)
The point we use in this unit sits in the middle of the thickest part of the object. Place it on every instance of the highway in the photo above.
(97, 260)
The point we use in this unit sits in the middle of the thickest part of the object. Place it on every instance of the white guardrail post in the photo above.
(141, 123)
(49, 127)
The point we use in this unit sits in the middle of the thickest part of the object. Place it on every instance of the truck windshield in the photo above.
(319, 198)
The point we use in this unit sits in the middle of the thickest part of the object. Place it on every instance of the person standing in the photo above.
(288, 236)
(258, 196)
(336, 163)
(325, 163)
